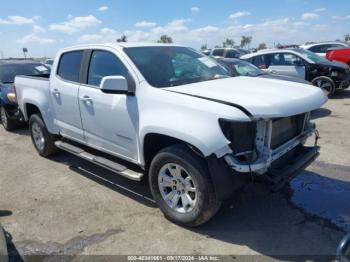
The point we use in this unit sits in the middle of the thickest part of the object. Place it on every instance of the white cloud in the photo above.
(195, 9)
(18, 20)
(239, 14)
(309, 16)
(38, 29)
(75, 24)
(103, 8)
(33, 38)
(206, 30)
(145, 24)
(318, 10)
(341, 17)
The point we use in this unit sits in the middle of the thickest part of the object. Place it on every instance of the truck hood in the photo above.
(262, 98)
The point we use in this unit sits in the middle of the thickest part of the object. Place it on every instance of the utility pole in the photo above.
(25, 50)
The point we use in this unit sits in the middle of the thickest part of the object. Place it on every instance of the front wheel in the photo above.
(181, 186)
(43, 141)
(326, 84)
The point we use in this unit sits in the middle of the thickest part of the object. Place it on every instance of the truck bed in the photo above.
(32, 88)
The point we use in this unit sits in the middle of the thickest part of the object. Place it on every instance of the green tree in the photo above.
(228, 43)
(165, 39)
(123, 38)
(262, 46)
(245, 41)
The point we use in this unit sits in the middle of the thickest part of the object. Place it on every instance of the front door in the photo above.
(109, 120)
(286, 64)
(64, 88)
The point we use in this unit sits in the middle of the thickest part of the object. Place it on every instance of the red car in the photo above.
(339, 54)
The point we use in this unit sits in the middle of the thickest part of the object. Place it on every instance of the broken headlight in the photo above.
(242, 137)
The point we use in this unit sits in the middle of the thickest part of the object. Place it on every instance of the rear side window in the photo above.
(261, 61)
(103, 64)
(69, 66)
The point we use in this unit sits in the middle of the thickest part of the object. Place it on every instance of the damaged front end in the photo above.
(270, 145)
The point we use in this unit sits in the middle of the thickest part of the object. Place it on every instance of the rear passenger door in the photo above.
(109, 120)
(64, 87)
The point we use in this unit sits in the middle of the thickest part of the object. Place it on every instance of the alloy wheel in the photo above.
(38, 136)
(177, 188)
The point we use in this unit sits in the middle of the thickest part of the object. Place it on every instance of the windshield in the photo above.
(247, 69)
(8, 72)
(173, 66)
(312, 56)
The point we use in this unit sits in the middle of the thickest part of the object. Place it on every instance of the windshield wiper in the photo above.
(7, 82)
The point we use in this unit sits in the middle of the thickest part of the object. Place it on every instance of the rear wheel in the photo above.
(181, 186)
(326, 84)
(43, 141)
(8, 124)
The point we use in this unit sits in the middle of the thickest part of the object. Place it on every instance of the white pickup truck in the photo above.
(176, 116)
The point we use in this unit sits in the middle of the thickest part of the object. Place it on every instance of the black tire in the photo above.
(7, 123)
(48, 147)
(325, 83)
(206, 205)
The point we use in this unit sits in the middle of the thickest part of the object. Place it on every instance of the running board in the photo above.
(100, 161)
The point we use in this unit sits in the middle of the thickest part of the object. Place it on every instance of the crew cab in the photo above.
(170, 114)
(340, 55)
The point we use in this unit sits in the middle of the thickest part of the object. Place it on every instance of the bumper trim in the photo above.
(279, 177)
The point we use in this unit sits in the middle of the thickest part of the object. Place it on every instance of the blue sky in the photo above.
(44, 26)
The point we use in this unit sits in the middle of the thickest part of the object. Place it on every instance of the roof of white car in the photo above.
(119, 45)
(323, 43)
(268, 51)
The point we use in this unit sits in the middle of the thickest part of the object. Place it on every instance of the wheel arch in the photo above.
(153, 142)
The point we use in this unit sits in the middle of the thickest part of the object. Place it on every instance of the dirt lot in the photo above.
(67, 206)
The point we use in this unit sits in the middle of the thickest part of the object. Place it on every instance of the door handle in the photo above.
(55, 92)
(87, 100)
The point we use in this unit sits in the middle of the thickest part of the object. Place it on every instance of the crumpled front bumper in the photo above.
(262, 165)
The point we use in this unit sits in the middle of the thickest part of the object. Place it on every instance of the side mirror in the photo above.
(114, 85)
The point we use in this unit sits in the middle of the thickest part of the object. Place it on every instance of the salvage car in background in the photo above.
(195, 132)
(303, 64)
(219, 53)
(322, 48)
(10, 115)
(339, 54)
(238, 67)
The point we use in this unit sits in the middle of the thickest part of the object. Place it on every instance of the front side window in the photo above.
(69, 66)
(173, 66)
(232, 54)
(260, 61)
(285, 59)
(103, 64)
(218, 52)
